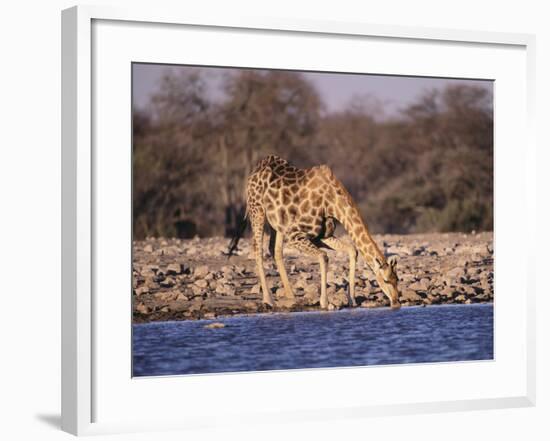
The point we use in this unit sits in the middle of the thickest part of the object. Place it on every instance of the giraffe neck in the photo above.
(347, 213)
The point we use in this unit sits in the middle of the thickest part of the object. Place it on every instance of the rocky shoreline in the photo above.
(177, 279)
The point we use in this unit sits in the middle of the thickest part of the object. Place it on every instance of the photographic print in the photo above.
(296, 220)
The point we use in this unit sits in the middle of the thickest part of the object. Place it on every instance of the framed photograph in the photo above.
(258, 209)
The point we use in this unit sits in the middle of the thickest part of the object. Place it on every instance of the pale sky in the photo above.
(335, 89)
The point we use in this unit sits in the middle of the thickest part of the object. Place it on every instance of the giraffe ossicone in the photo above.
(302, 207)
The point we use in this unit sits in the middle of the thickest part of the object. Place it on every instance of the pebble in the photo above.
(141, 290)
(168, 282)
(174, 268)
(215, 325)
(201, 283)
(201, 271)
(142, 308)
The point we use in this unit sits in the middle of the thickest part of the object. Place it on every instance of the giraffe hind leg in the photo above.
(257, 219)
(301, 242)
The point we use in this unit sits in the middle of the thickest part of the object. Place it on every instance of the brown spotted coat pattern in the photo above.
(302, 206)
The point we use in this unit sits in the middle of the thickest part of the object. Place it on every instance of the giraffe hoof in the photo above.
(268, 305)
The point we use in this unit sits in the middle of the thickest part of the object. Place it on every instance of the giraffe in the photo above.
(302, 206)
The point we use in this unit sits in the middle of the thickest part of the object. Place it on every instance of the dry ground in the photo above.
(177, 279)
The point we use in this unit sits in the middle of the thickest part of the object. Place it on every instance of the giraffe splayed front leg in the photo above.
(301, 242)
(289, 293)
(339, 245)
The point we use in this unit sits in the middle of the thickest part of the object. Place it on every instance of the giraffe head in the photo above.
(386, 277)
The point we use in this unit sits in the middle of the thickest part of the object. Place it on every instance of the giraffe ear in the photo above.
(392, 260)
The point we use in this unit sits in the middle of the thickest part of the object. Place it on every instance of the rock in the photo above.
(339, 299)
(196, 290)
(456, 272)
(165, 296)
(311, 295)
(400, 250)
(215, 325)
(469, 290)
(481, 298)
(407, 278)
(196, 305)
(222, 304)
(340, 281)
(447, 291)
(141, 290)
(230, 290)
(434, 299)
(150, 282)
(285, 302)
(148, 248)
(151, 268)
(478, 289)
(201, 283)
(168, 251)
(460, 298)
(299, 284)
(228, 272)
(174, 268)
(182, 297)
(167, 282)
(409, 295)
(201, 271)
(142, 308)
(419, 286)
(179, 306)
(209, 315)
(370, 304)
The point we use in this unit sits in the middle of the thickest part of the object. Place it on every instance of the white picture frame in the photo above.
(83, 386)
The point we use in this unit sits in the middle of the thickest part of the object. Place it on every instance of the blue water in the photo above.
(351, 337)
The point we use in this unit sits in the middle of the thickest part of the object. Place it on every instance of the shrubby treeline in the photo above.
(428, 169)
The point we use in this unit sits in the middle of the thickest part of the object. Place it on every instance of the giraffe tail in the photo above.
(239, 233)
